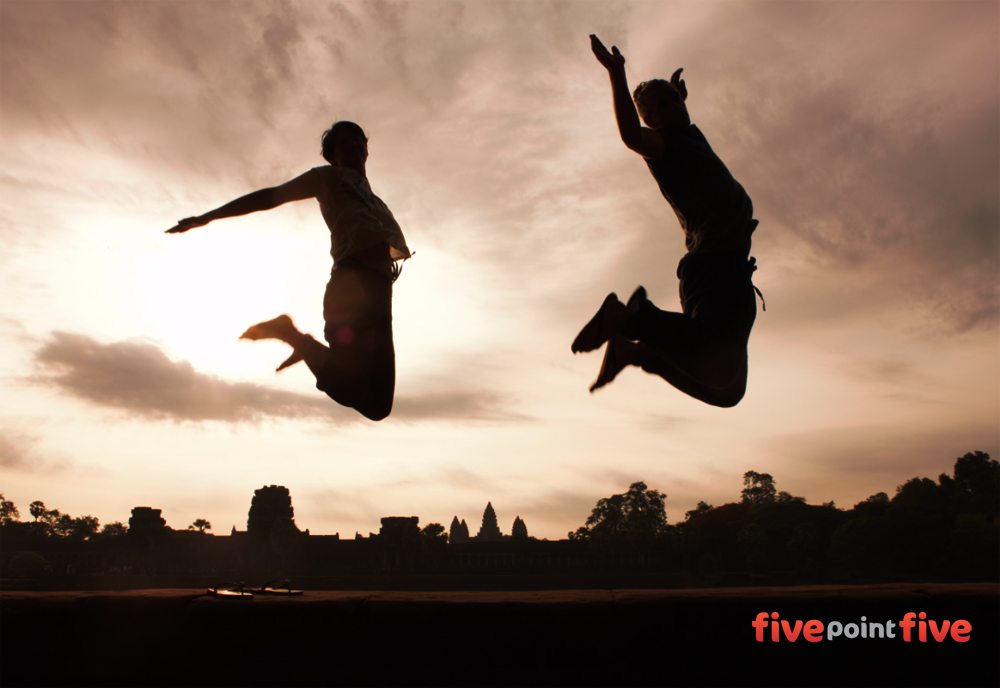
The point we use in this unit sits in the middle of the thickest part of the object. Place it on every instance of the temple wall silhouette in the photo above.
(167, 557)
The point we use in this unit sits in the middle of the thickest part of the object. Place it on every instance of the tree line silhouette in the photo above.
(946, 530)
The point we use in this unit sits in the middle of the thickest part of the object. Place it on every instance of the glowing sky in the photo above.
(867, 134)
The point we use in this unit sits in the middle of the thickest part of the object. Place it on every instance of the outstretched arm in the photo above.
(302, 187)
(636, 137)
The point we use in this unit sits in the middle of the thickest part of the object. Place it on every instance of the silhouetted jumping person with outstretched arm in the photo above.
(701, 351)
(358, 368)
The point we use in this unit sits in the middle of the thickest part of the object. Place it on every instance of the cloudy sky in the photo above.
(867, 134)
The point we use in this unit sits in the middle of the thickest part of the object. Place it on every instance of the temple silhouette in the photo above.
(489, 531)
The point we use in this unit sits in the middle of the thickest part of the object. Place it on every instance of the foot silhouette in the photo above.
(290, 361)
(281, 328)
(614, 362)
(606, 323)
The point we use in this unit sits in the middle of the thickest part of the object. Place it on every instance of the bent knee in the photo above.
(377, 411)
(728, 394)
(726, 401)
(375, 414)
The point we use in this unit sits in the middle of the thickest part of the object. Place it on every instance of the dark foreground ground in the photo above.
(579, 637)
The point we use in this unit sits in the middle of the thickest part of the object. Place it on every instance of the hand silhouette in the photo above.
(186, 224)
(611, 60)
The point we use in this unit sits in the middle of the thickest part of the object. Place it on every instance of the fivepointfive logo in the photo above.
(814, 630)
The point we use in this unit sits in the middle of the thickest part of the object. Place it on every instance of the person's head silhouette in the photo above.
(345, 145)
(660, 103)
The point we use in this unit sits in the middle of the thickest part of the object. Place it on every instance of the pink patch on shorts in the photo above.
(345, 334)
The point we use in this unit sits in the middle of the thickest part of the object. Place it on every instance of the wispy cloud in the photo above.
(861, 460)
(555, 507)
(883, 164)
(19, 451)
(15, 450)
(456, 405)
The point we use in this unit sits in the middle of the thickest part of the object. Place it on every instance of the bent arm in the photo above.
(636, 137)
(302, 187)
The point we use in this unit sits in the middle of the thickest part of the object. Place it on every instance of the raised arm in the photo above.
(302, 187)
(636, 137)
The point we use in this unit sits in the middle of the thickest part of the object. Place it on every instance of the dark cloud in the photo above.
(140, 379)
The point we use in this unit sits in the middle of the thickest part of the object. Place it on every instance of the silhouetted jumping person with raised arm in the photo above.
(701, 351)
(358, 369)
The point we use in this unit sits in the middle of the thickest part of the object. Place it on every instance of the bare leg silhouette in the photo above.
(358, 366)
(701, 352)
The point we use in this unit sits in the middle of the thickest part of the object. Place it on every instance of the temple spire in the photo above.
(489, 531)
